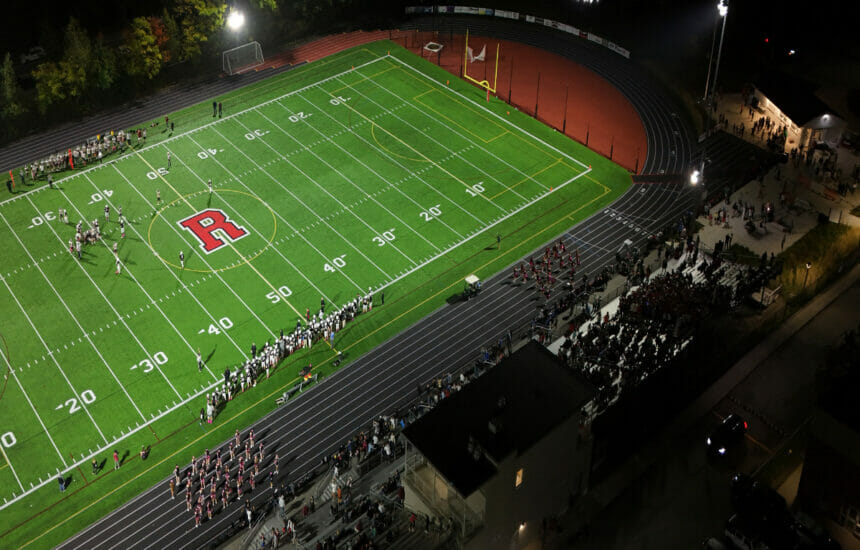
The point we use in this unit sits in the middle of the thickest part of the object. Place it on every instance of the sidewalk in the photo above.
(591, 504)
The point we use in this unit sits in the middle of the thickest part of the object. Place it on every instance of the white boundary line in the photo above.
(76, 393)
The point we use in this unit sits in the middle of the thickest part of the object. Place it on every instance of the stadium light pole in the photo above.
(723, 10)
(710, 61)
(235, 20)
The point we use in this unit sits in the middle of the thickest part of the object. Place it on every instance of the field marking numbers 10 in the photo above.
(87, 396)
(337, 262)
(159, 357)
(430, 213)
(338, 100)
(384, 237)
(475, 190)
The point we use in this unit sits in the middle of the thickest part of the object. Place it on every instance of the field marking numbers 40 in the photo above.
(336, 263)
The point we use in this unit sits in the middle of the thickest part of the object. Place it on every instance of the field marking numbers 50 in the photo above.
(159, 357)
(87, 396)
(276, 296)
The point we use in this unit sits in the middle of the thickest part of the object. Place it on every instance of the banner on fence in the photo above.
(570, 29)
(507, 14)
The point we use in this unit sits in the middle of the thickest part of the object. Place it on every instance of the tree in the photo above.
(270, 4)
(50, 85)
(76, 60)
(170, 51)
(143, 58)
(198, 21)
(104, 69)
(9, 89)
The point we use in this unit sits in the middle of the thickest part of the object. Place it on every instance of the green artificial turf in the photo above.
(366, 170)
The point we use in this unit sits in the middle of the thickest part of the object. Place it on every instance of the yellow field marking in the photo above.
(373, 134)
(280, 390)
(227, 241)
(527, 178)
(158, 214)
(368, 77)
(455, 123)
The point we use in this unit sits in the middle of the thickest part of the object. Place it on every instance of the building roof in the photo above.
(793, 96)
(507, 410)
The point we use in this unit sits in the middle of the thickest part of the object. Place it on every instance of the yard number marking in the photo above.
(159, 357)
(385, 237)
(476, 189)
(87, 396)
(8, 439)
(337, 262)
(255, 134)
(96, 197)
(283, 292)
(432, 212)
(225, 323)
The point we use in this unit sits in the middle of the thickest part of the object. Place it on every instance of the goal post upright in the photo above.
(482, 83)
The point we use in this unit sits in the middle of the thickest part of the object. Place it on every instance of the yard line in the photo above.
(324, 190)
(291, 226)
(341, 174)
(464, 159)
(187, 132)
(72, 315)
(27, 397)
(9, 462)
(482, 108)
(300, 201)
(414, 150)
(389, 157)
(179, 280)
(248, 223)
(119, 315)
(39, 335)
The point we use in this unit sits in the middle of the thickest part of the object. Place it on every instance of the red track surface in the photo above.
(565, 95)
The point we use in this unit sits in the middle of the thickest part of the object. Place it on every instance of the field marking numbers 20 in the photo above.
(87, 396)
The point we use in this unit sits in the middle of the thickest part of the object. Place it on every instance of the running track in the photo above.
(385, 379)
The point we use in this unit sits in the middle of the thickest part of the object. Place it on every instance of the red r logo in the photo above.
(204, 224)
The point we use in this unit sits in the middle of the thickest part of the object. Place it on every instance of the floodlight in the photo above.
(723, 8)
(235, 20)
(695, 177)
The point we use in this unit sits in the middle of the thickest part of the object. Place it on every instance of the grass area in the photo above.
(826, 247)
(361, 171)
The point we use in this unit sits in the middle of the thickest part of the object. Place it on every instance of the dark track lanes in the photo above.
(525, 312)
(132, 114)
(440, 329)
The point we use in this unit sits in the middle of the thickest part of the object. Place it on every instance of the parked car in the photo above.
(729, 432)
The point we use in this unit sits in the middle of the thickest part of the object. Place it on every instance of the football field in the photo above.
(367, 172)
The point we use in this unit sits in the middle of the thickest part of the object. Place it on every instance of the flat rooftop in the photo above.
(508, 409)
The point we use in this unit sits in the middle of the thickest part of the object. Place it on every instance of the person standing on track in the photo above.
(214, 107)
(220, 109)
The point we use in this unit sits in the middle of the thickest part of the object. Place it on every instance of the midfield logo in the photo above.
(212, 227)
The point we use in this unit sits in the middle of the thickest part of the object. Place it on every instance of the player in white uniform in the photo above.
(114, 248)
(210, 185)
(182, 259)
(118, 266)
(107, 213)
